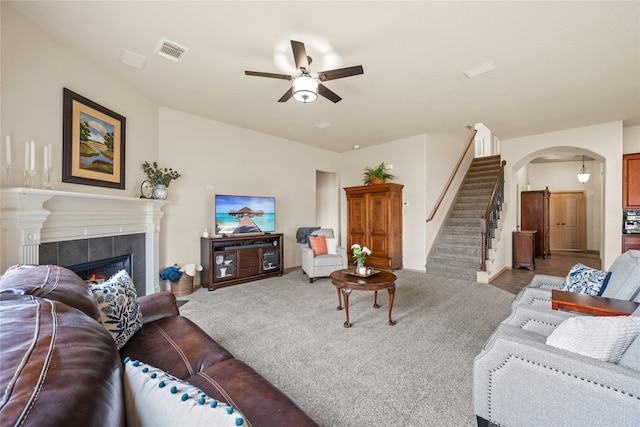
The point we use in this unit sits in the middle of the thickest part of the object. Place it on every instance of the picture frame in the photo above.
(93, 143)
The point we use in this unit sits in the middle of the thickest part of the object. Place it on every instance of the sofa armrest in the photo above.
(519, 380)
(542, 322)
(307, 260)
(545, 281)
(158, 306)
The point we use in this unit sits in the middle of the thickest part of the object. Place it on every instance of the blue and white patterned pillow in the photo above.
(586, 280)
(154, 398)
(118, 307)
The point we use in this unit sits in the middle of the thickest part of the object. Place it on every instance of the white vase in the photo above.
(361, 269)
(160, 192)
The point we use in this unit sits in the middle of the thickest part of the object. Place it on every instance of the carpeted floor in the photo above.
(416, 373)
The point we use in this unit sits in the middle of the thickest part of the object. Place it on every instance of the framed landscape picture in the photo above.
(93, 143)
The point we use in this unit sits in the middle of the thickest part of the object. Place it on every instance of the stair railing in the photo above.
(489, 221)
(453, 174)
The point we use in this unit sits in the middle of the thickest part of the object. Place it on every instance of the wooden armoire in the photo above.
(534, 215)
(374, 220)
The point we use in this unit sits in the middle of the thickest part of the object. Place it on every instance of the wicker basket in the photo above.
(184, 286)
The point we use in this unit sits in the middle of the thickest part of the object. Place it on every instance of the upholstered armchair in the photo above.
(544, 367)
(323, 264)
(522, 379)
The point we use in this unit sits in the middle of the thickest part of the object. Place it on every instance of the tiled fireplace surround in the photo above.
(68, 228)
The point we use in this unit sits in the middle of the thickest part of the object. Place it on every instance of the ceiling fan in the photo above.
(306, 88)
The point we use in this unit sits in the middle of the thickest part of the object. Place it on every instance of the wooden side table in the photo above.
(594, 305)
(524, 249)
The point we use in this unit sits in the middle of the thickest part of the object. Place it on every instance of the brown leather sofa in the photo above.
(59, 366)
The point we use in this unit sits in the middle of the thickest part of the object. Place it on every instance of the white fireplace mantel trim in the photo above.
(34, 216)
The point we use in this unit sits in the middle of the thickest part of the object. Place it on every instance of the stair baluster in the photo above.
(489, 221)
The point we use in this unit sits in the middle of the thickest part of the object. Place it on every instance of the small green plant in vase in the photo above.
(160, 178)
(377, 175)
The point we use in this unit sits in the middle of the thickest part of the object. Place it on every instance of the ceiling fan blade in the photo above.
(271, 75)
(300, 56)
(328, 93)
(288, 94)
(340, 73)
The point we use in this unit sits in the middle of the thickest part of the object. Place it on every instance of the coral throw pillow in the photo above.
(318, 245)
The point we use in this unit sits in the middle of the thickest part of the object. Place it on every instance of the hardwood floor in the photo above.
(558, 264)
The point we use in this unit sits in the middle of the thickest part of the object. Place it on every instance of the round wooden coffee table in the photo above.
(346, 282)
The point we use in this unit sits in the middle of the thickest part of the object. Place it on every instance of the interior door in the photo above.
(567, 216)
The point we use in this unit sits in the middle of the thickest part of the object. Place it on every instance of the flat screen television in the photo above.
(245, 214)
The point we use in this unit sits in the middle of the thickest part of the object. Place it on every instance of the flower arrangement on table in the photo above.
(360, 253)
(159, 176)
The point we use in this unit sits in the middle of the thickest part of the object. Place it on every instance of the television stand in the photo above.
(237, 259)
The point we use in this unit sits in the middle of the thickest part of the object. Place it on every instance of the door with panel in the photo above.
(567, 217)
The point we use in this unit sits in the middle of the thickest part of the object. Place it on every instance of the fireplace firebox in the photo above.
(100, 270)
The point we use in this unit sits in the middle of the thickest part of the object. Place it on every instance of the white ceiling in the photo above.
(559, 64)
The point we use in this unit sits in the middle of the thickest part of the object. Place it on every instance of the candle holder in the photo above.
(46, 179)
(29, 178)
(7, 176)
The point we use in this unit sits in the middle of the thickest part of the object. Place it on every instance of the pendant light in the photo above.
(583, 176)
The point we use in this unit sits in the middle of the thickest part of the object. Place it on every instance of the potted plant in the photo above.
(160, 178)
(376, 175)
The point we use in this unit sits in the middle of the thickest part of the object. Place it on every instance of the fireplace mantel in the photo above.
(34, 216)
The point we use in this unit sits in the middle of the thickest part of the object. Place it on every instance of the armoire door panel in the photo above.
(379, 215)
(379, 245)
(357, 215)
(535, 215)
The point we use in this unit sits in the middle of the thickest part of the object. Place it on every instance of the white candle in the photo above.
(46, 158)
(33, 155)
(26, 155)
(8, 150)
(50, 156)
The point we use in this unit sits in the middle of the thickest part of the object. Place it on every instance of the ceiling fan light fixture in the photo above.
(583, 176)
(305, 89)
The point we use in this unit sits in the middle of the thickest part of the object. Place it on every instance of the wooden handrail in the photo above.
(455, 171)
(495, 188)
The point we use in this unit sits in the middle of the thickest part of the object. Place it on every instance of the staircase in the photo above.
(457, 252)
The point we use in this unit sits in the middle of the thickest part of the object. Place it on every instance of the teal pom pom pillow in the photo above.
(153, 398)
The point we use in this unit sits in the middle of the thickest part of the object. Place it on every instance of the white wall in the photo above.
(563, 177)
(328, 202)
(34, 72)
(35, 68)
(408, 159)
(602, 142)
(631, 140)
(442, 153)
(423, 164)
(215, 157)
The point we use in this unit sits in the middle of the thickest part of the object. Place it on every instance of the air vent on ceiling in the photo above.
(170, 50)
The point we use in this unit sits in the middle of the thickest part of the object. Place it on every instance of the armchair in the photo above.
(323, 265)
(520, 380)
